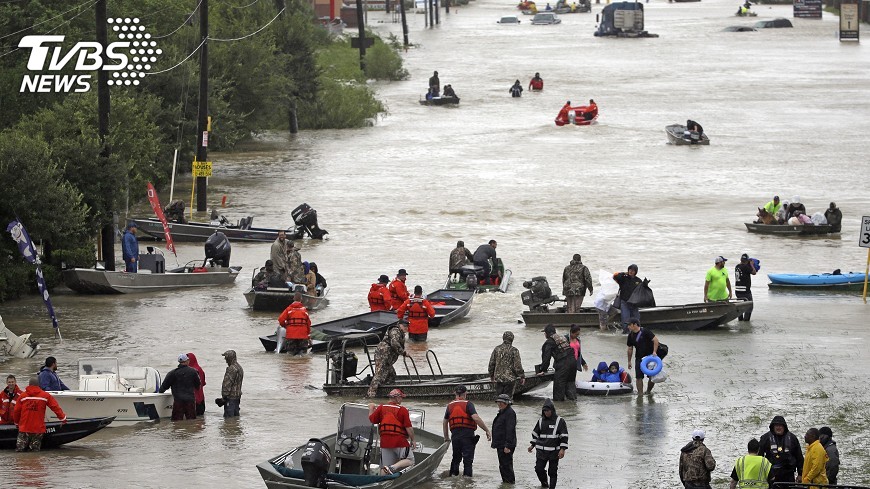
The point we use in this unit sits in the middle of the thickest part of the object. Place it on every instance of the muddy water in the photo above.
(787, 112)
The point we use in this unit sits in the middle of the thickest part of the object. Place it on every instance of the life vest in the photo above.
(459, 417)
(7, 405)
(537, 83)
(296, 321)
(398, 293)
(613, 377)
(782, 455)
(418, 314)
(377, 301)
(390, 424)
(752, 471)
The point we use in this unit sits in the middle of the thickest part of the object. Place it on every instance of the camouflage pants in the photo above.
(574, 302)
(296, 347)
(28, 441)
(384, 374)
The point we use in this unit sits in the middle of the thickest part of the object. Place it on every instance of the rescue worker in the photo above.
(419, 311)
(628, 281)
(387, 352)
(814, 465)
(743, 273)
(48, 379)
(783, 451)
(8, 399)
(278, 255)
(696, 463)
(834, 216)
(716, 281)
(516, 90)
(773, 206)
(130, 248)
(231, 387)
(549, 440)
(591, 110)
(832, 468)
(459, 257)
(576, 280)
(537, 83)
(694, 127)
(379, 295)
(751, 471)
(29, 415)
(460, 422)
(485, 256)
(398, 290)
(396, 432)
(564, 115)
(295, 269)
(506, 366)
(295, 327)
(504, 438)
(434, 84)
(183, 381)
(643, 342)
(556, 346)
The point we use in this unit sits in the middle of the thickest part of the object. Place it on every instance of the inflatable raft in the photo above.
(586, 388)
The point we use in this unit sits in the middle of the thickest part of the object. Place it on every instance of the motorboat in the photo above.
(277, 299)
(344, 379)
(56, 433)
(680, 135)
(350, 457)
(304, 217)
(127, 394)
(580, 115)
(373, 323)
(471, 277)
(789, 229)
(587, 388)
(562, 7)
(440, 101)
(13, 345)
(449, 305)
(818, 281)
(152, 275)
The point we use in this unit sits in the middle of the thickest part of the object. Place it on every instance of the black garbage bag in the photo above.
(642, 296)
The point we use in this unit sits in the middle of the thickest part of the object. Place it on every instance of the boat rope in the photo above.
(255, 32)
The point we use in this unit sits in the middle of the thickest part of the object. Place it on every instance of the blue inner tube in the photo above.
(650, 359)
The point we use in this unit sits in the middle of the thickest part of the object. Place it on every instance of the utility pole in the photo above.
(362, 35)
(404, 22)
(437, 12)
(202, 112)
(107, 232)
(431, 13)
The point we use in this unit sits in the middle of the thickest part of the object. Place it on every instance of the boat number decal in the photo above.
(50, 429)
(122, 410)
(91, 399)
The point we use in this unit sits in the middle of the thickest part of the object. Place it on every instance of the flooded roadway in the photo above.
(787, 113)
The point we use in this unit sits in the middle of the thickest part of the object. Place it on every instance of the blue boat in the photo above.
(817, 281)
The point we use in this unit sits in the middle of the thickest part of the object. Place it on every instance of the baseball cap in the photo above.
(503, 398)
(721, 259)
(744, 256)
(460, 389)
(634, 321)
(182, 358)
(384, 279)
(698, 435)
(396, 393)
(402, 271)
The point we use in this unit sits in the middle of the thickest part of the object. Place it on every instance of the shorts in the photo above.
(637, 372)
(390, 456)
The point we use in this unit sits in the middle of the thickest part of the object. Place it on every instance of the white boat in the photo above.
(13, 345)
(129, 394)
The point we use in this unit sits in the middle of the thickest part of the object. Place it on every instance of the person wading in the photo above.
(231, 388)
(295, 326)
(460, 422)
(696, 463)
(183, 381)
(506, 366)
(504, 437)
(29, 415)
(556, 346)
(643, 342)
(419, 311)
(751, 471)
(549, 440)
(783, 450)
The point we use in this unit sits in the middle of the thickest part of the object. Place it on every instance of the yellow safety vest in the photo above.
(752, 471)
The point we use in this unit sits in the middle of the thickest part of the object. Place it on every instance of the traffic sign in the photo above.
(864, 236)
(202, 168)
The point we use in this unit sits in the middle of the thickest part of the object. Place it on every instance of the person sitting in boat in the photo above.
(434, 84)
(537, 83)
(782, 213)
(516, 90)
(773, 206)
(600, 372)
(834, 217)
(615, 373)
(320, 282)
(310, 279)
(591, 111)
(448, 91)
(795, 207)
(548, 7)
(693, 126)
(429, 94)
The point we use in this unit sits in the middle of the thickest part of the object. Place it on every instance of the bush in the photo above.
(384, 63)
(13, 279)
(342, 105)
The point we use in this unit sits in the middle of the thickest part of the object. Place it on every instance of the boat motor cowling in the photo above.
(316, 461)
(305, 217)
(218, 249)
(538, 295)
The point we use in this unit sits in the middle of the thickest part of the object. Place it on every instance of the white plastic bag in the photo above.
(819, 219)
(662, 376)
(606, 291)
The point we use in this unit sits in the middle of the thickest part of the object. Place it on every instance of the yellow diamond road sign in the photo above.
(202, 168)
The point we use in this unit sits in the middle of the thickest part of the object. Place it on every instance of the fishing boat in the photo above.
(683, 317)
(440, 101)
(471, 278)
(153, 276)
(342, 363)
(789, 229)
(373, 323)
(277, 299)
(56, 433)
(304, 217)
(129, 394)
(449, 305)
(679, 135)
(818, 281)
(350, 457)
(18, 346)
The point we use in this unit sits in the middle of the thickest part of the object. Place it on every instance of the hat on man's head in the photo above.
(183, 358)
(384, 279)
(503, 398)
(744, 256)
(721, 259)
(132, 224)
(396, 393)
(549, 329)
(698, 435)
(402, 271)
(634, 321)
(460, 389)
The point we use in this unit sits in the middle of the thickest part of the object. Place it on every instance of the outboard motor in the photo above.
(538, 295)
(316, 461)
(174, 211)
(217, 249)
(306, 218)
(341, 371)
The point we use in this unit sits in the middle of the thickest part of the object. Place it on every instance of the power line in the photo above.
(54, 28)
(251, 34)
(91, 2)
(180, 62)
(183, 23)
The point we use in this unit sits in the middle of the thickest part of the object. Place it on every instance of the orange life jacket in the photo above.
(398, 293)
(459, 417)
(7, 405)
(296, 322)
(379, 297)
(537, 84)
(390, 424)
(419, 311)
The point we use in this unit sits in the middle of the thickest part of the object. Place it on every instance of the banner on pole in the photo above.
(25, 246)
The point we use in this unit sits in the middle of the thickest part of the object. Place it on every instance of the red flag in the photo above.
(155, 204)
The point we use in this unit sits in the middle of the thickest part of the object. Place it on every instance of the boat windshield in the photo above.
(98, 366)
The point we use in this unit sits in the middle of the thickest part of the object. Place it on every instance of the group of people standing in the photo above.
(776, 457)
(385, 295)
(187, 383)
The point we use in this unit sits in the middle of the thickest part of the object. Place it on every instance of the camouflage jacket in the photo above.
(459, 257)
(295, 270)
(696, 462)
(391, 347)
(505, 364)
(278, 255)
(576, 279)
(232, 384)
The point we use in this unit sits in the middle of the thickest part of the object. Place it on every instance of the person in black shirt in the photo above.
(783, 449)
(627, 283)
(504, 438)
(643, 342)
(743, 273)
(485, 256)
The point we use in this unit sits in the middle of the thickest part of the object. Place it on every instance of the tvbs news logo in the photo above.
(129, 59)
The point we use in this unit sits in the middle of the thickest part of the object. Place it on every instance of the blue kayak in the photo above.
(815, 280)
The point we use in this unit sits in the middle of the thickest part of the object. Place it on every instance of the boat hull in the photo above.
(821, 281)
(788, 229)
(686, 317)
(278, 300)
(92, 281)
(675, 134)
(56, 433)
(198, 231)
(441, 101)
(449, 305)
(603, 388)
(321, 334)
(126, 407)
(440, 386)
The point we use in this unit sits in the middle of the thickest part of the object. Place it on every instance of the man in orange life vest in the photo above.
(294, 327)
(379, 295)
(8, 399)
(398, 289)
(419, 311)
(462, 419)
(397, 435)
(29, 415)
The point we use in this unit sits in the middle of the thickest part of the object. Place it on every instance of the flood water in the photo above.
(787, 111)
